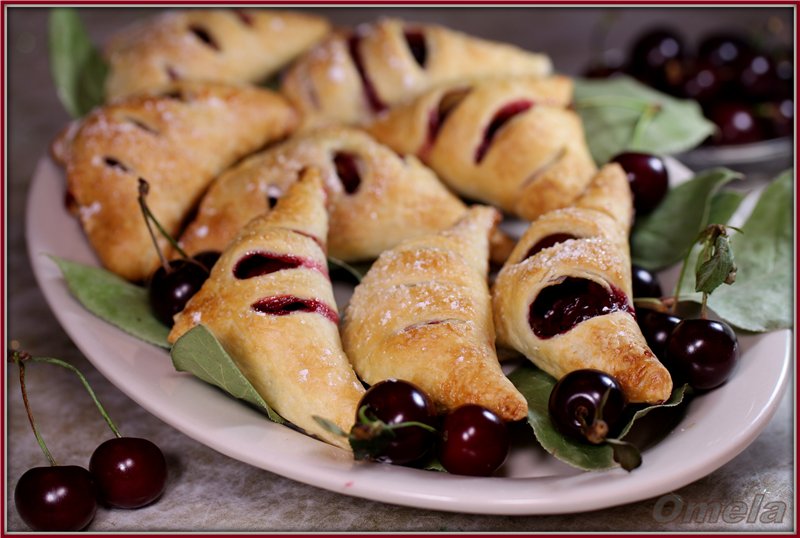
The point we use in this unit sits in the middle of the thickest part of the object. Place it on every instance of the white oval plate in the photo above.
(716, 427)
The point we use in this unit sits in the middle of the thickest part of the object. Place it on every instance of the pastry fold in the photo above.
(580, 248)
(220, 45)
(351, 76)
(423, 314)
(178, 142)
(279, 323)
(510, 142)
(377, 198)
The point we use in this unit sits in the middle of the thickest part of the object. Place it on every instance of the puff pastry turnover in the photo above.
(563, 299)
(178, 142)
(423, 314)
(509, 142)
(352, 76)
(377, 198)
(239, 45)
(270, 304)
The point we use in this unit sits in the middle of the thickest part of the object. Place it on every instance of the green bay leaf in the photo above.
(113, 299)
(621, 114)
(663, 237)
(199, 353)
(536, 385)
(78, 68)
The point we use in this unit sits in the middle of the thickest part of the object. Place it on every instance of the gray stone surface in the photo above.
(211, 492)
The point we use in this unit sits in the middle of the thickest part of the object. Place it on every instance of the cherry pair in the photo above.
(124, 472)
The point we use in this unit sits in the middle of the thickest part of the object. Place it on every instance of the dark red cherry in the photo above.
(645, 283)
(394, 402)
(736, 124)
(169, 291)
(656, 58)
(558, 308)
(724, 50)
(701, 82)
(577, 409)
(207, 258)
(656, 328)
(777, 118)
(474, 441)
(129, 472)
(757, 77)
(703, 351)
(56, 498)
(647, 177)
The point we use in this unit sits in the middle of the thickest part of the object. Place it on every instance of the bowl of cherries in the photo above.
(744, 88)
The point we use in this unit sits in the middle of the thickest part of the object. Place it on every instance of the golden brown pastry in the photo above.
(378, 198)
(178, 142)
(423, 314)
(563, 299)
(352, 76)
(270, 304)
(509, 142)
(222, 45)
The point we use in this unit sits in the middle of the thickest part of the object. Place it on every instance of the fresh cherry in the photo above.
(207, 258)
(587, 405)
(724, 50)
(475, 441)
(645, 283)
(656, 327)
(758, 78)
(736, 124)
(703, 351)
(777, 118)
(56, 498)
(655, 58)
(647, 177)
(701, 81)
(170, 290)
(383, 437)
(130, 472)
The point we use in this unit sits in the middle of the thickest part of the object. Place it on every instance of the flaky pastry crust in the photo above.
(221, 45)
(423, 314)
(294, 358)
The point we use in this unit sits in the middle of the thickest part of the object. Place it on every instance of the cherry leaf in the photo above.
(78, 68)
(199, 353)
(113, 299)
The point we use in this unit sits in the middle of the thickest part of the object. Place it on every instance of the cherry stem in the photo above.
(144, 189)
(374, 422)
(19, 357)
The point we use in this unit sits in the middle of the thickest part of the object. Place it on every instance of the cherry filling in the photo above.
(415, 40)
(436, 116)
(263, 263)
(375, 102)
(283, 305)
(501, 117)
(245, 17)
(203, 35)
(560, 307)
(547, 242)
(347, 169)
